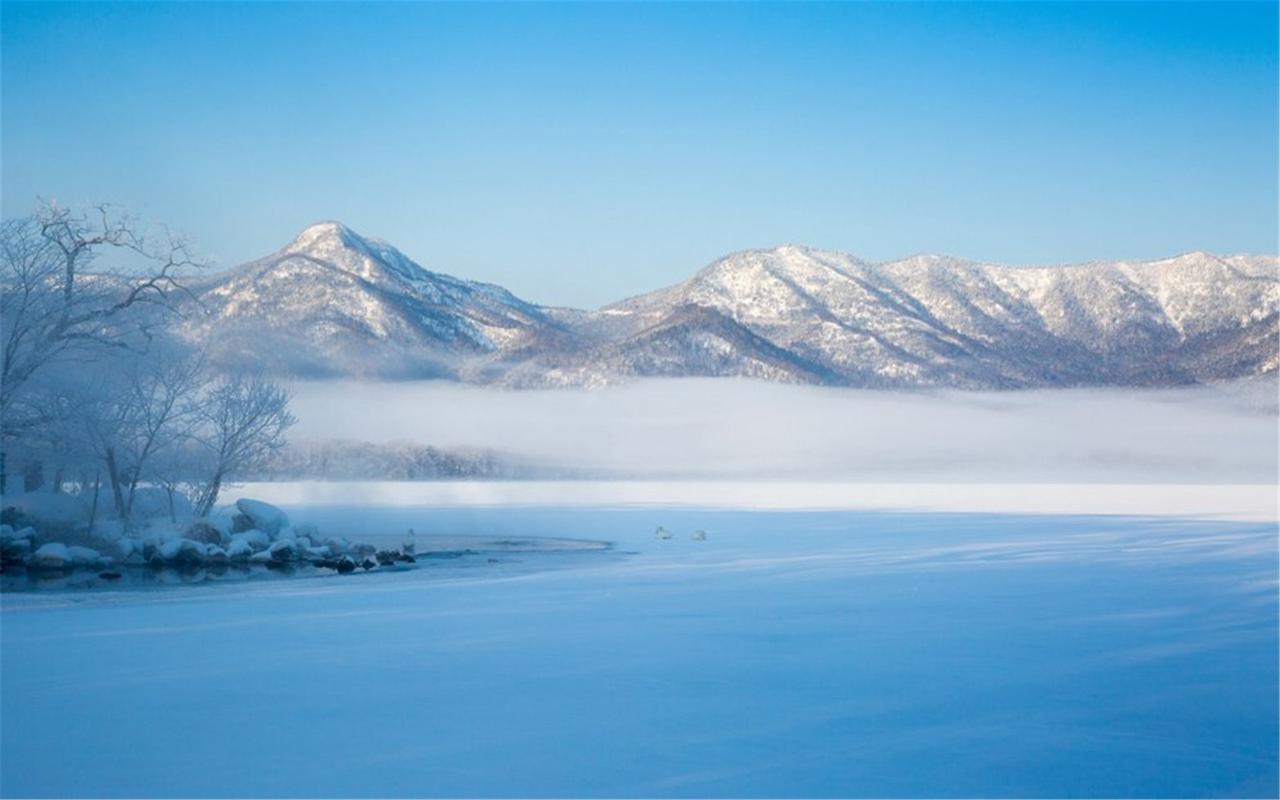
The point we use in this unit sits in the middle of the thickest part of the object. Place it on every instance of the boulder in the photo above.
(85, 556)
(255, 538)
(203, 531)
(265, 517)
(182, 552)
(239, 551)
(126, 546)
(283, 551)
(53, 555)
(261, 557)
(16, 544)
(216, 555)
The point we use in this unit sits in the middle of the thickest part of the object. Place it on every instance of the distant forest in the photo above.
(341, 460)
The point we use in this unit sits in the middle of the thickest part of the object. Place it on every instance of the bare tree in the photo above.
(160, 408)
(244, 417)
(54, 307)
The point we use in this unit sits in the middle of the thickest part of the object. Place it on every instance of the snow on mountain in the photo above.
(332, 302)
(939, 321)
(335, 303)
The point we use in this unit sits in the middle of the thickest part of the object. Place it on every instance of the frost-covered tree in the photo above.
(243, 418)
(61, 302)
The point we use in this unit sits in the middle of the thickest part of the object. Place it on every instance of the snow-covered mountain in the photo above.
(333, 302)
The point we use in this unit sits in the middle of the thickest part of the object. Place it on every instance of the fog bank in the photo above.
(723, 428)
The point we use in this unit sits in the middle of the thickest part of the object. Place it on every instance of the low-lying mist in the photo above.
(726, 428)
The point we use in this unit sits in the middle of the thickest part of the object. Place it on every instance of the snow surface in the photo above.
(792, 653)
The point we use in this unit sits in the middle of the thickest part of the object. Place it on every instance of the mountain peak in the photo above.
(325, 235)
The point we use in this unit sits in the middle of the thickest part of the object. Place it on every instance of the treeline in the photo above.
(341, 460)
(98, 396)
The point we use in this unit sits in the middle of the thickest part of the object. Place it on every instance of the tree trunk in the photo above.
(93, 509)
(113, 473)
(210, 495)
(128, 503)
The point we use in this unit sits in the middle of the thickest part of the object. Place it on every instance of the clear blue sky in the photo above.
(580, 153)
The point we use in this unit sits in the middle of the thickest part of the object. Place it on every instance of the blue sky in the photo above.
(580, 153)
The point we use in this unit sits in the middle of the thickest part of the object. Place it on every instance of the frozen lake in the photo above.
(792, 653)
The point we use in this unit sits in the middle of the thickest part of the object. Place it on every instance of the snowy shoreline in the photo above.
(1244, 502)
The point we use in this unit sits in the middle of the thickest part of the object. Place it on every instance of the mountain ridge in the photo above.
(333, 302)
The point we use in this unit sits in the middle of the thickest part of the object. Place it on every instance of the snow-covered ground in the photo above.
(791, 653)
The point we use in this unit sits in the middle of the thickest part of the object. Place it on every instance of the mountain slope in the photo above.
(936, 321)
(335, 303)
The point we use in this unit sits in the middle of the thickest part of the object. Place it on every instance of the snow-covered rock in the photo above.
(254, 538)
(52, 555)
(182, 552)
(216, 555)
(86, 556)
(126, 546)
(16, 544)
(283, 550)
(239, 550)
(264, 516)
(262, 557)
(202, 531)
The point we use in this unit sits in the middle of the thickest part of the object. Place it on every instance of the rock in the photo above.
(283, 551)
(84, 556)
(126, 547)
(368, 564)
(261, 557)
(346, 564)
(182, 552)
(239, 522)
(110, 576)
(53, 555)
(16, 544)
(387, 557)
(254, 538)
(265, 517)
(216, 555)
(202, 531)
(239, 551)
(315, 553)
(406, 558)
